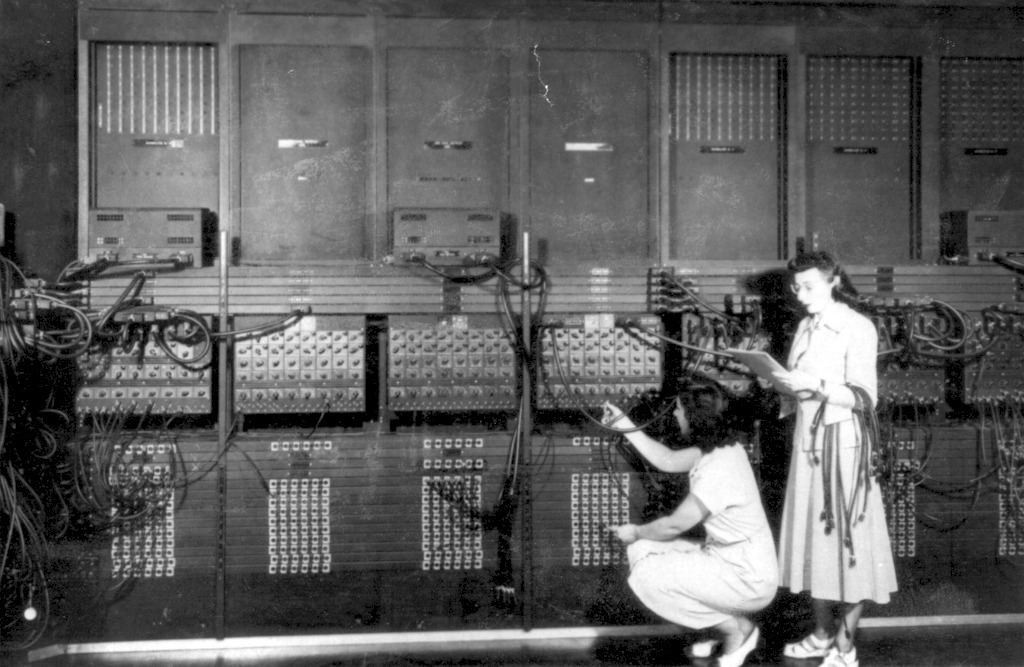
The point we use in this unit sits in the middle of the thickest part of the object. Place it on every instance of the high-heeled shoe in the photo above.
(704, 648)
(739, 656)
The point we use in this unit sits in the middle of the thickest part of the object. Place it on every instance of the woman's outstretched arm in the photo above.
(658, 455)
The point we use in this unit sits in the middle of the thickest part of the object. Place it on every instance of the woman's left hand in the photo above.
(797, 381)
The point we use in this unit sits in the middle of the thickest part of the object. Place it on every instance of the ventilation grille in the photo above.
(725, 98)
(156, 88)
(982, 99)
(851, 99)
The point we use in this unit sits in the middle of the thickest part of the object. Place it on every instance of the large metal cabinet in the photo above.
(589, 154)
(305, 153)
(862, 144)
(155, 124)
(982, 133)
(728, 138)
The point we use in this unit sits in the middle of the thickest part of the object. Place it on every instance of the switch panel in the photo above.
(146, 379)
(314, 366)
(999, 375)
(907, 379)
(462, 362)
(589, 359)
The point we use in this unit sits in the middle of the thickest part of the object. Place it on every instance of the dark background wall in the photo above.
(38, 163)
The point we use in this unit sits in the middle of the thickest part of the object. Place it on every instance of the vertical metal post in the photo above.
(225, 408)
(525, 443)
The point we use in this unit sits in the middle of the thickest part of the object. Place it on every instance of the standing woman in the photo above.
(833, 540)
(718, 582)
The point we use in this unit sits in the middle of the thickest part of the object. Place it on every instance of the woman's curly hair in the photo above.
(707, 407)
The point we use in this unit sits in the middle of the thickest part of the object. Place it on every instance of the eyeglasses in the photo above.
(807, 287)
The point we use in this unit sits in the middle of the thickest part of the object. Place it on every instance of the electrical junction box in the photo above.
(978, 235)
(445, 235)
(135, 233)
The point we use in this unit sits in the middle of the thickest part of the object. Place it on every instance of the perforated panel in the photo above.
(452, 536)
(156, 88)
(725, 97)
(145, 548)
(858, 99)
(299, 525)
(581, 486)
(336, 502)
(982, 99)
(177, 534)
(901, 496)
(597, 500)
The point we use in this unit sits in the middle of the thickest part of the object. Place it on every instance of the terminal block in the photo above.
(589, 359)
(452, 534)
(299, 526)
(597, 500)
(461, 362)
(144, 546)
(314, 366)
(901, 450)
(1011, 513)
(669, 293)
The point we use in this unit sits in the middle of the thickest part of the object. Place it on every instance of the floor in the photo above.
(947, 645)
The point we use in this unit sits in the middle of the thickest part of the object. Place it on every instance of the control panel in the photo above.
(317, 365)
(589, 359)
(172, 376)
(458, 362)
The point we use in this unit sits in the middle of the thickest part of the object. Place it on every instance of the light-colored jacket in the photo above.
(840, 346)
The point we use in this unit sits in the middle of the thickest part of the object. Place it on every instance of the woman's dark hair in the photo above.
(707, 409)
(829, 267)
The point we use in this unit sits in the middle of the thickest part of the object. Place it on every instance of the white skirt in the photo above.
(698, 586)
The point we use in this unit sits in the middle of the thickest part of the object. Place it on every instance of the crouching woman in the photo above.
(733, 573)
